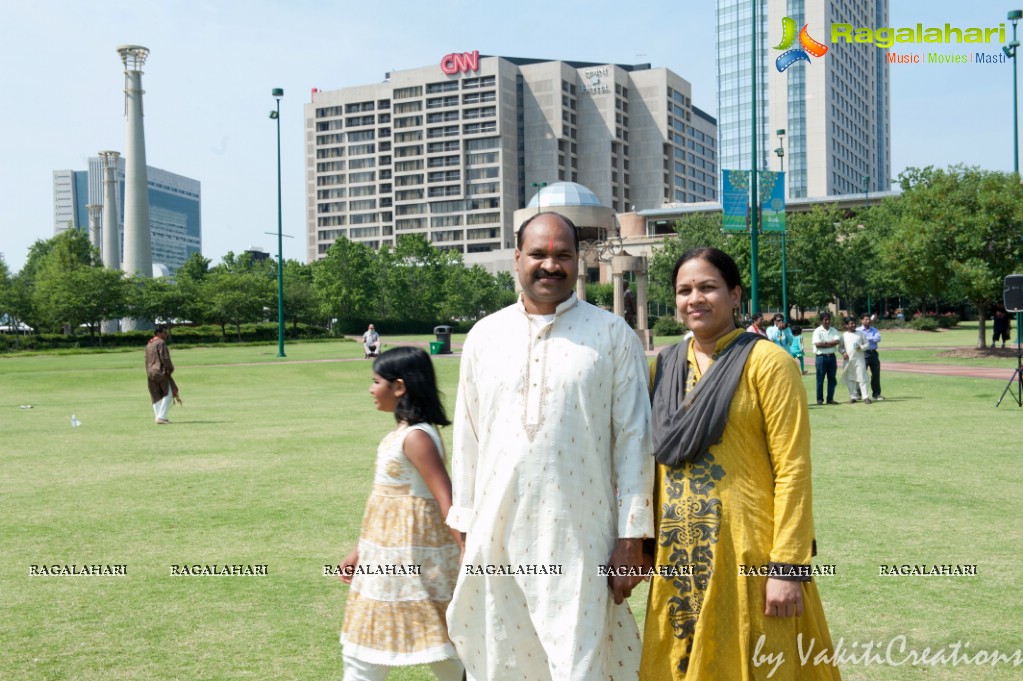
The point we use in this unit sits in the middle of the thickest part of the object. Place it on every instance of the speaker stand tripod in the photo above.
(1016, 382)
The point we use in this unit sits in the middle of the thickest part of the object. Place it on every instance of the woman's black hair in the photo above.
(421, 402)
(721, 261)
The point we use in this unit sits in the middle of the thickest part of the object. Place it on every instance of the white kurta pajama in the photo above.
(551, 465)
(854, 373)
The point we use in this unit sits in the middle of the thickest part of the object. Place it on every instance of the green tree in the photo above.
(83, 295)
(71, 287)
(194, 269)
(156, 298)
(236, 298)
(957, 233)
(68, 250)
(695, 231)
(815, 253)
(415, 272)
(301, 298)
(506, 294)
(5, 289)
(346, 281)
(470, 293)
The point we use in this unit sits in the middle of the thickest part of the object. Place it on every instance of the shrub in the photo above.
(601, 295)
(924, 324)
(668, 326)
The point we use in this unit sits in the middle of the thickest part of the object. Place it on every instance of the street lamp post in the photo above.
(784, 284)
(276, 115)
(754, 203)
(1010, 52)
(539, 187)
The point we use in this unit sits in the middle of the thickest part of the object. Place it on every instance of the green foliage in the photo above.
(601, 295)
(180, 336)
(816, 254)
(470, 293)
(194, 269)
(6, 291)
(690, 232)
(668, 326)
(347, 280)
(71, 288)
(414, 272)
(924, 324)
(157, 299)
(236, 297)
(955, 234)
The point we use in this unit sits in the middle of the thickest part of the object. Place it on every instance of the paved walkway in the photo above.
(998, 373)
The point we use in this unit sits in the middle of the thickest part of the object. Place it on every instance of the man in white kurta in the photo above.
(551, 468)
(854, 373)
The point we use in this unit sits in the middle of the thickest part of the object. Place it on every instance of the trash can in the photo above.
(436, 347)
(443, 334)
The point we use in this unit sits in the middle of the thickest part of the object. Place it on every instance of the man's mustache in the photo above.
(545, 274)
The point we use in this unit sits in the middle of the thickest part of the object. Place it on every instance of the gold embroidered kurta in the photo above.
(744, 505)
(551, 465)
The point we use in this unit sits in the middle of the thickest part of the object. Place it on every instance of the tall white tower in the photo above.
(111, 241)
(138, 251)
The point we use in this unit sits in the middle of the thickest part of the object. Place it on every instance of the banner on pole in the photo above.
(772, 210)
(735, 200)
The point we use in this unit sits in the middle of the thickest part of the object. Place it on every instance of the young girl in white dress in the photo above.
(403, 571)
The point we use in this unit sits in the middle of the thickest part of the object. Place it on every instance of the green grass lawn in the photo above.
(270, 463)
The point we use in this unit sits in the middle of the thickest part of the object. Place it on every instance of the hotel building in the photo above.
(452, 150)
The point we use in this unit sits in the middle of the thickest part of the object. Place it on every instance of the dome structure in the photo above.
(577, 203)
(563, 194)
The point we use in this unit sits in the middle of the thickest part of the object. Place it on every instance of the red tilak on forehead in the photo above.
(550, 244)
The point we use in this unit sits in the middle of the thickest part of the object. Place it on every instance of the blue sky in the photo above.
(213, 64)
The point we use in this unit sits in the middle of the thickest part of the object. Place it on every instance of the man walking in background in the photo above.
(159, 368)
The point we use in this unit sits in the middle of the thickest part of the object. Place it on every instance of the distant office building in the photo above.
(175, 204)
(452, 150)
(834, 108)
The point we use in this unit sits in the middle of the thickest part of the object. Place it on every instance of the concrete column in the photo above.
(111, 241)
(95, 228)
(618, 281)
(138, 248)
(580, 279)
(642, 321)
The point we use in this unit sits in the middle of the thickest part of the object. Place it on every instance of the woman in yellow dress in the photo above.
(733, 598)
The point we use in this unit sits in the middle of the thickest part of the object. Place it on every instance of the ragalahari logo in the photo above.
(806, 45)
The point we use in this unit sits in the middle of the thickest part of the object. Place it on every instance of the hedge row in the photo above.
(396, 327)
(180, 335)
(211, 334)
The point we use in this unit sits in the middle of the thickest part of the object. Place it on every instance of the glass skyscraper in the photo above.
(834, 108)
(175, 208)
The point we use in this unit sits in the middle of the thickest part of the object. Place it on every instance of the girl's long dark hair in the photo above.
(421, 401)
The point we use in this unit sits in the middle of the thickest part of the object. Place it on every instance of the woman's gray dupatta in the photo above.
(685, 426)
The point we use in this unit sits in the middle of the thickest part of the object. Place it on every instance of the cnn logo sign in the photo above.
(460, 63)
